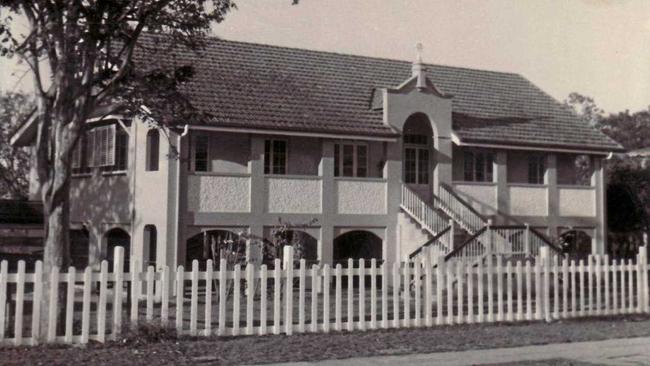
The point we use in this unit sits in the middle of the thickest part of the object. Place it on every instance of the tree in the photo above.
(585, 107)
(80, 54)
(14, 162)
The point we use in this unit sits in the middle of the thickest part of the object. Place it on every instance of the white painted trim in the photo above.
(456, 140)
(105, 118)
(292, 133)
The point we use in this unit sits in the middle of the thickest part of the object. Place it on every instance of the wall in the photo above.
(229, 152)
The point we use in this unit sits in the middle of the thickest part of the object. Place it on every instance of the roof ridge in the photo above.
(217, 38)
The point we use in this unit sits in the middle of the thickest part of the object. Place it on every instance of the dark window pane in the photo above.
(279, 159)
(409, 165)
(468, 168)
(362, 161)
(423, 166)
(201, 154)
(337, 159)
(489, 165)
(479, 165)
(153, 150)
(348, 160)
(267, 157)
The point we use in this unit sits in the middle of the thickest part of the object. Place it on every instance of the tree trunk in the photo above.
(56, 210)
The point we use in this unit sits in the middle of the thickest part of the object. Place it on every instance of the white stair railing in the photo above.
(426, 216)
(460, 211)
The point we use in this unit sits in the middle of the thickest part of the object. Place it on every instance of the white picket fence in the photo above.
(290, 298)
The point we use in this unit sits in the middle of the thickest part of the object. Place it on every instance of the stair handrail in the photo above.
(428, 243)
(461, 247)
(422, 211)
(467, 214)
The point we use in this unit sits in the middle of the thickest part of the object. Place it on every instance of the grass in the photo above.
(151, 346)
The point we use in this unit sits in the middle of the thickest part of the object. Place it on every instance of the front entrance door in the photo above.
(417, 165)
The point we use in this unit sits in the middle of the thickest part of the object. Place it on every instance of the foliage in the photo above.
(585, 107)
(14, 161)
(632, 130)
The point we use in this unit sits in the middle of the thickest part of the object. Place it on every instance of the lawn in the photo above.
(153, 346)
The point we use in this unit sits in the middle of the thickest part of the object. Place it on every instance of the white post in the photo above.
(287, 253)
(546, 261)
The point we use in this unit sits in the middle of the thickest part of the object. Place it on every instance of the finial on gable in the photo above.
(418, 70)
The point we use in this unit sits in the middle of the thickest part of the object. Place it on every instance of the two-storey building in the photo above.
(366, 157)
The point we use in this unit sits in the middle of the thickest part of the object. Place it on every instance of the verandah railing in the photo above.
(290, 298)
(428, 217)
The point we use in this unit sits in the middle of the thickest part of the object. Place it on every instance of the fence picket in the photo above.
(362, 295)
(614, 270)
(135, 292)
(314, 298)
(69, 305)
(630, 286)
(180, 281)
(556, 286)
(338, 325)
(118, 268)
(529, 290)
(164, 296)
(510, 307)
(101, 304)
(373, 293)
(439, 288)
(450, 291)
(250, 296)
(4, 270)
(606, 290)
(490, 289)
(326, 296)
(350, 279)
(85, 310)
(277, 286)
(581, 272)
(150, 293)
(288, 258)
(428, 296)
(223, 285)
(459, 288)
(480, 279)
(301, 296)
(499, 288)
(263, 302)
(520, 297)
(384, 296)
(53, 310)
(36, 302)
(406, 292)
(209, 272)
(396, 281)
(236, 298)
(194, 300)
(20, 298)
(574, 305)
(565, 288)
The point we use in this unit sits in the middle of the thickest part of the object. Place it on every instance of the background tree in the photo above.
(14, 162)
(80, 54)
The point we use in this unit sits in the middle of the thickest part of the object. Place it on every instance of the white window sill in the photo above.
(114, 172)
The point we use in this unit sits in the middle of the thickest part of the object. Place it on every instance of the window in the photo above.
(350, 160)
(151, 242)
(201, 153)
(153, 150)
(106, 147)
(536, 169)
(477, 166)
(416, 159)
(275, 157)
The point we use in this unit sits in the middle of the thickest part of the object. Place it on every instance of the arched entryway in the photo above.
(357, 244)
(118, 238)
(417, 155)
(79, 248)
(213, 244)
(576, 243)
(150, 240)
(305, 246)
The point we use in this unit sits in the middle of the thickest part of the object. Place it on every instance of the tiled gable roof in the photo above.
(267, 87)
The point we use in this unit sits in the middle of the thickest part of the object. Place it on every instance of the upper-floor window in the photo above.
(275, 157)
(105, 147)
(416, 159)
(350, 160)
(536, 169)
(153, 150)
(201, 153)
(478, 166)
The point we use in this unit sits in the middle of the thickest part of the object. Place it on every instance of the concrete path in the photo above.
(623, 352)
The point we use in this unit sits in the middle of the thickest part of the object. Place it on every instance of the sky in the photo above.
(599, 48)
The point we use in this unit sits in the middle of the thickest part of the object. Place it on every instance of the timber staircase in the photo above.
(483, 240)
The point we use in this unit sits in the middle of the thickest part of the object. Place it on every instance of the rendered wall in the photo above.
(214, 193)
(293, 195)
(580, 202)
(360, 197)
(527, 200)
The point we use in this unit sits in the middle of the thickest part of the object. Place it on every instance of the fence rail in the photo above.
(291, 298)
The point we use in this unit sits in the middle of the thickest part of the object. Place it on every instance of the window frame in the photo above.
(539, 163)
(150, 154)
(340, 164)
(195, 139)
(488, 158)
(418, 147)
(271, 157)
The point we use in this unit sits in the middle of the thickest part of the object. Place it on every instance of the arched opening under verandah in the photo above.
(576, 243)
(356, 245)
(118, 237)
